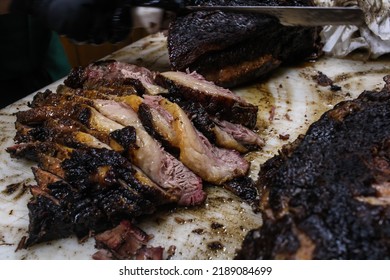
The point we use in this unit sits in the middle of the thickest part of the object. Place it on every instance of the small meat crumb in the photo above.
(284, 137)
(215, 245)
(179, 220)
(215, 225)
(199, 231)
(322, 79)
(335, 88)
(171, 252)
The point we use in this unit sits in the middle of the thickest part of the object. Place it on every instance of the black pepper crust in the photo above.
(232, 49)
(230, 109)
(317, 186)
(87, 201)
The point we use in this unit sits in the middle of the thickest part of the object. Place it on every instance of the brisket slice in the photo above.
(105, 80)
(326, 196)
(212, 164)
(231, 48)
(220, 132)
(168, 172)
(110, 76)
(159, 122)
(171, 174)
(217, 101)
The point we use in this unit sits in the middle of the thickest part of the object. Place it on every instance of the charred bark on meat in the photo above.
(216, 100)
(113, 77)
(231, 49)
(246, 189)
(326, 195)
(96, 189)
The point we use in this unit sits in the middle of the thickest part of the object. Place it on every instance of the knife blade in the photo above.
(298, 15)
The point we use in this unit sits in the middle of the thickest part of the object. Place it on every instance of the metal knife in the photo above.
(287, 15)
(297, 15)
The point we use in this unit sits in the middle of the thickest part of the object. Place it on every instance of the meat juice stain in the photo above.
(21, 188)
(260, 95)
(10, 189)
(346, 76)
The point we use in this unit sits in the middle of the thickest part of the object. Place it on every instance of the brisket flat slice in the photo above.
(222, 133)
(114, 77)
(326, 196)
(214, 165)
(167, 171)
(217, 101)
(231, 48)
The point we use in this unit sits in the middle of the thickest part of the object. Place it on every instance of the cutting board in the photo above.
(289, 101)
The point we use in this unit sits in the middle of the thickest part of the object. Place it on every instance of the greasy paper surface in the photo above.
(372, 37)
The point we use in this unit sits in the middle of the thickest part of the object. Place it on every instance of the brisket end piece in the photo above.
(95, 192)
(231, 48)
(326, 196)
(126, 241)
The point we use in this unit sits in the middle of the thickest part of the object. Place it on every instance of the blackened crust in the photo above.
(224, 108)
(325, 188)
(231, 49)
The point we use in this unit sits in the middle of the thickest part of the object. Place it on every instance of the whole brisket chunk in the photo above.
(326, 196)
(231, 48)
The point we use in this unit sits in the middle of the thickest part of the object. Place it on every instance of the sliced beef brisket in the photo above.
(217, 101)
(99, 167)
(114, 77)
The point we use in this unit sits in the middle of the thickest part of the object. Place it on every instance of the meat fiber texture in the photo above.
(112, 145)
(231, 49)
(326, 195)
